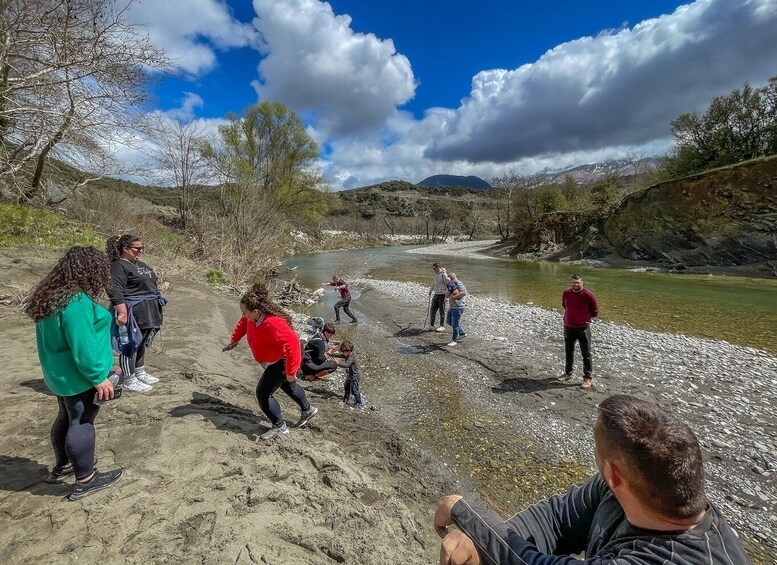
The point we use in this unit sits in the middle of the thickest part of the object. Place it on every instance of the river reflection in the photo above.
(740, 310)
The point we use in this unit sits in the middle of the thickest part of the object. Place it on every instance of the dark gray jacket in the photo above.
(589, 519)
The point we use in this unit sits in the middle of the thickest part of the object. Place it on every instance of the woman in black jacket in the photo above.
(138, 305)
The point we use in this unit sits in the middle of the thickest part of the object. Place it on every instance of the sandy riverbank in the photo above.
(198, 487)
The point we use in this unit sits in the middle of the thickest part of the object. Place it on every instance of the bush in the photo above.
(23, 225)
(216, 277)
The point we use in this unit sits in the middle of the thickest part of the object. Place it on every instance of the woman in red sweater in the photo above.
(275, 346)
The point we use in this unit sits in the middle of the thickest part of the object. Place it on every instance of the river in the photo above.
(740, 310)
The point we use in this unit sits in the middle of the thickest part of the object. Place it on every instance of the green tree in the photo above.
(736, 127)
(266, 161)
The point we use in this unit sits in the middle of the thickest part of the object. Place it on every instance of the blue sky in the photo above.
(409, 89)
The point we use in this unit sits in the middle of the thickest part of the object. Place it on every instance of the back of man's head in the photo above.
(661, 454)
(328, 328)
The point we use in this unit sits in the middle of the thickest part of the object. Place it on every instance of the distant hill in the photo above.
(455, 180)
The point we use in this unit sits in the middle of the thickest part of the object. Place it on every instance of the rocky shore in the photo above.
(513, 353)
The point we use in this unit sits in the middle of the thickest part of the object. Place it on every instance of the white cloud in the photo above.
(347, 82)
(615, 89)
(190, 31)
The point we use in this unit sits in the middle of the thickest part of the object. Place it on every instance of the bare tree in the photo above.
(180, 160)
(72, 74)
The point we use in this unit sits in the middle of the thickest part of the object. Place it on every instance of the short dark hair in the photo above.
(346, 346)
(436, 265)
(576, 277)
(329, 328)
(661, 452)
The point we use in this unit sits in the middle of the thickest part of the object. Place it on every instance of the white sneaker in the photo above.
(143, 376)
(440, 329)
(451, 344)
(136, 385)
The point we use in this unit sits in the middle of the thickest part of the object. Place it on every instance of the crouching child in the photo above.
(354, 376)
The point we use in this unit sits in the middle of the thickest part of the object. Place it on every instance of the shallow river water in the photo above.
(740, 310)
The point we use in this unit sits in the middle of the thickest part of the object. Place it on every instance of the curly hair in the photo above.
(82, 269)
(116, 244)
(258, 298)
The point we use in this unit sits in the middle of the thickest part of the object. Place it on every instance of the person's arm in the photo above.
(539, 535)
(117, 290)
(346, 362)
(86, 347)
(564, 300)
(593, 305)
(237, 334)
(291, 351)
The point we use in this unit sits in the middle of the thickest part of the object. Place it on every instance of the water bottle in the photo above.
(123, 335)
(114, 377)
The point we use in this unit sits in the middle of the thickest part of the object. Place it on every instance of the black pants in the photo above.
(72, 434)
(343, 303)
(438, 303)
(273, 378)
(310, 368)
(583, 335)
(138, 359)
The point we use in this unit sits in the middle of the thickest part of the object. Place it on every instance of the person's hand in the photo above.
(121, 318)
(291, 378)
(104, 390)
(442, 518)
(430, 292)
(458, 549)
(230, 346)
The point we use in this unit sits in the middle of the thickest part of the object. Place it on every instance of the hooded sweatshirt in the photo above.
(270, 340)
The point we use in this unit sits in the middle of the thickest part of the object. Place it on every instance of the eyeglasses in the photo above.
(137, 249)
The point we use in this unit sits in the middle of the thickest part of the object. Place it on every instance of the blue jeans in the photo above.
(455, 321)
(352, 389)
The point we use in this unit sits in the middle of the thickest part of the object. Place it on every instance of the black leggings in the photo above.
(273, 378)
(138, 359)
(72, 434)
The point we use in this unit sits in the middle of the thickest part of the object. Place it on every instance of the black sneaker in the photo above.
(354, 322)
(306, 416)
(59, 474)
(98, 482)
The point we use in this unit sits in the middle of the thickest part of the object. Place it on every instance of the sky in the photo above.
(411, 88)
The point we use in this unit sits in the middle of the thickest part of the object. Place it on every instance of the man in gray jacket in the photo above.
(439, 289)
(646, 506)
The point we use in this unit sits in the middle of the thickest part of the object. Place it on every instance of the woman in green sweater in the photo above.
(74, 347)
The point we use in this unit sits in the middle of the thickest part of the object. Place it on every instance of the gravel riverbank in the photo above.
(509, 362)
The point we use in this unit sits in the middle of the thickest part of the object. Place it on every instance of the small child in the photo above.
(316, 324)
(353, 380)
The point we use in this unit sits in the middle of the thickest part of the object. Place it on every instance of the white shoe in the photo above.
(136, 385)
(440, 329)
(451, 344)
(143, 376)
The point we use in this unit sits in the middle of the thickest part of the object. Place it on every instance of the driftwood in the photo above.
(291, 293)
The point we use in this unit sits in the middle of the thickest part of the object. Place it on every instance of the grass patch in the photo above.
(23, 225)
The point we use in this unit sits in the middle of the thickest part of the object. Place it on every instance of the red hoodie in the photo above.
(271, 340)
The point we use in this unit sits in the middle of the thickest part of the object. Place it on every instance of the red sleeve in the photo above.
(593, 305)
(240, 329)
(292, 350)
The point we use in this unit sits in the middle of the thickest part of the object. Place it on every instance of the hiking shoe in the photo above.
(58, 474)
(136, 385)
(565, 377)
(144, 377)
(587, 383)
(354, 321)
(451, 344)
(358, 406)
(98, 482)
(440, 329)
(283, 429)
(306, 416)
(462, 335)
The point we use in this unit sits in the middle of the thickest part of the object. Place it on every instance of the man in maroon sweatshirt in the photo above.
(579, 307)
